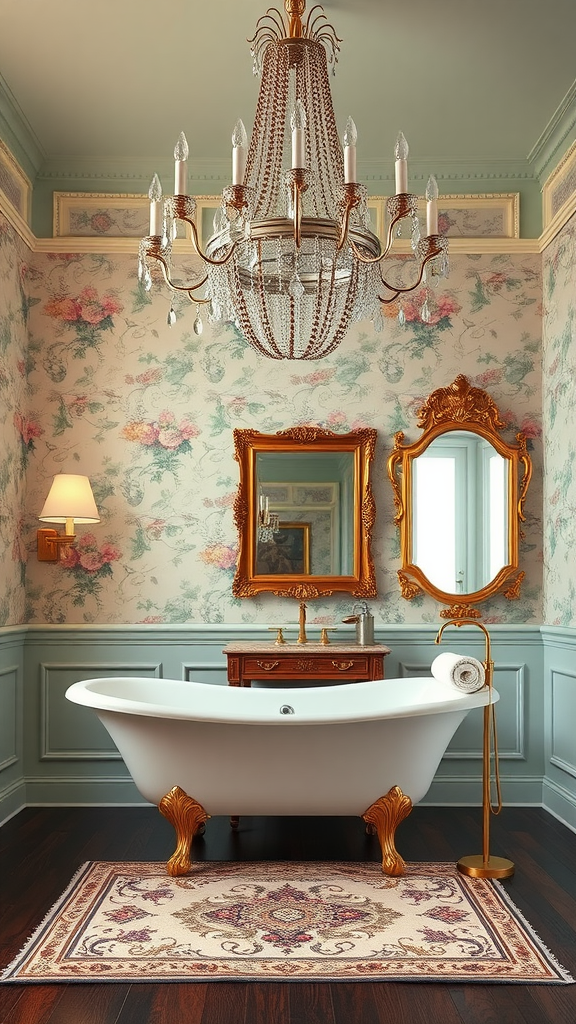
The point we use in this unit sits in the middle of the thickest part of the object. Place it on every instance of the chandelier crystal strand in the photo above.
(292, 260)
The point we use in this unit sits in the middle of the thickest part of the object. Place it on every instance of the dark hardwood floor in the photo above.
(40, 849)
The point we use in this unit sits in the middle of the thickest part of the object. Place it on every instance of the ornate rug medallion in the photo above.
(317, 921)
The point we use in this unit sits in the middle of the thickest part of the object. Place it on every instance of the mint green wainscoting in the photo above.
(12, 783)
(57, 753)
(559, 785)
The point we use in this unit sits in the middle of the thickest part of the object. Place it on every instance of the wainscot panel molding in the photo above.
(12, 783)
(559, 784)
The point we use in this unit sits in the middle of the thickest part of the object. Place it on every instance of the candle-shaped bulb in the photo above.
(239, 153)
(432, 206)
(432, 188)
(350, 137)
(298, 118)
(180, 168)
(181, 150)
(401, 165)
(298, 125)
(349, 140)
(155, 190)
(401, 148)
(239, 136)
(156, 210)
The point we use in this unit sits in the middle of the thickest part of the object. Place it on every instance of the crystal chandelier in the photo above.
(293, 261)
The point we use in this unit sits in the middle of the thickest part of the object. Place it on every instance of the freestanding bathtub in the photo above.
(196, 749)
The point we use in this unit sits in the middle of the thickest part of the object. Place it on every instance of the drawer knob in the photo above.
(343, 666)
(268, 666)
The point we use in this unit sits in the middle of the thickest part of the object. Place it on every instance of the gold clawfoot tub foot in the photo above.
(186, 815)
(385, 815)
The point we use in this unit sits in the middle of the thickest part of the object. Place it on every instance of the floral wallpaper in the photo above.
(147, 412)
(559, 399)
(19, 431)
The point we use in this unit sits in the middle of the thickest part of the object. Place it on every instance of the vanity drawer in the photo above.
(302, 667)
(334, 662)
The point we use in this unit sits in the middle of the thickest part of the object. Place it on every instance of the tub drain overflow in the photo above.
(286, 709)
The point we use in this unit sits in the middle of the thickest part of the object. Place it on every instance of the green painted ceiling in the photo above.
(95, 92)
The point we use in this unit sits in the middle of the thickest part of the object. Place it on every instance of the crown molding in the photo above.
(73, 169)
(557, 135)
(17, 133)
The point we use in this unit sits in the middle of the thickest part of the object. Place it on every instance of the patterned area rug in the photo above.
(281, 921)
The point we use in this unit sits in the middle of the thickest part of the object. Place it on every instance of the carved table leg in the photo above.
(385, 815)
(186, 815)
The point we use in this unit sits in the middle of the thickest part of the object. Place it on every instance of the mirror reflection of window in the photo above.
(460, 538)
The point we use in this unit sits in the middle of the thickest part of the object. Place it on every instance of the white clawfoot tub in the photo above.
(195, 749)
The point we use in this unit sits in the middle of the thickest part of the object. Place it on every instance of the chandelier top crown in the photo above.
(278, 27)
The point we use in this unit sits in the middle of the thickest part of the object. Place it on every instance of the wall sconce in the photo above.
(70, 499)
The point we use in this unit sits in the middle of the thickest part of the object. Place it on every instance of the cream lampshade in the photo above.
(69, 500)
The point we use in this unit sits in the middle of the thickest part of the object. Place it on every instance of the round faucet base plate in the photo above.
(477, 867)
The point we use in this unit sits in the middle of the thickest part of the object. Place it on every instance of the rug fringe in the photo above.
(12, 967)
(506, 898)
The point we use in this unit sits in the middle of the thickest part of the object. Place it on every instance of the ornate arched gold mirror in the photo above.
(304, 512)
(459, 493)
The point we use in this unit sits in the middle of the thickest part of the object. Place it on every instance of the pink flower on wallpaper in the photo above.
(69, 557)
(224, 501)
(336, 419)
(87, 556)
(110, 553)
(237, 404)
(496, 281)
(21, 367)
(188, 429)
(151, 376)
(91, 560)
(27, 428)
(101, 222)
(530, 426)
(77, 406)
(170, 438)
(87, 307)
(493, 376)
(151, 619)
(444, 223)
(221, 556)
(317, 377)
(164, 432)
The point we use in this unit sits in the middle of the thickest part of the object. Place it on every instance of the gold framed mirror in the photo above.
(459, 493)
(304, 511)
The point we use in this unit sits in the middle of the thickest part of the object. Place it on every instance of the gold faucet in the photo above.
(302, 639)
(485, 866)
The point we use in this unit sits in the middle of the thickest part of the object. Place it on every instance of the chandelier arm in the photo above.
(198, 250)
(168, 279)
(410, 288)
(377, 259)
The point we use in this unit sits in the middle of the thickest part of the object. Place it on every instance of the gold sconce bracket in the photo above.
(50, 543)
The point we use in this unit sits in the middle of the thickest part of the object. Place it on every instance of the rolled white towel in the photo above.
(465, 674)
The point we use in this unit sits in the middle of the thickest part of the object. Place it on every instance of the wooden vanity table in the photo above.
(346, 663)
